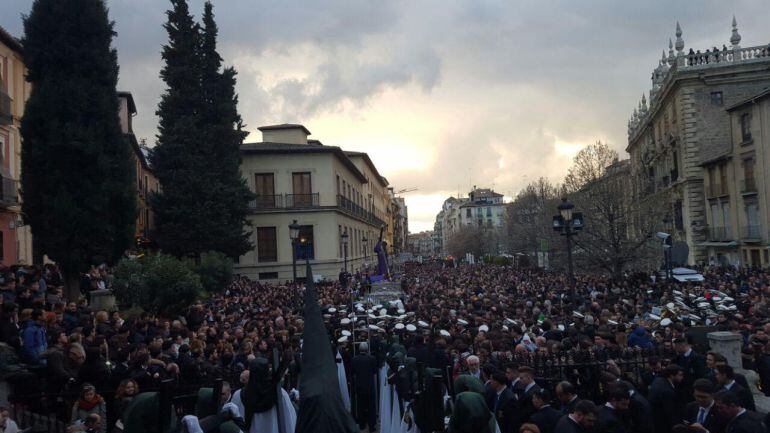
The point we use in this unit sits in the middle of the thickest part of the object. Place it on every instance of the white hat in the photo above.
(423, 324)
(561, 327)
(483, 328)
(399, 326)
(345, 321)
(505, 327)
(612, 322)
(374, 327)
(578, 314)
(383, 312)
(411, 328)
(342, 339)
(401, 311)
(346, 333)
(332, 310)
(654, 316)
(665, 322)
(462, 322)
(445, 333)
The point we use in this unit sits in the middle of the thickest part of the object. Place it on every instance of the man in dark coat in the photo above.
(611, 414)
(640, 411)
(740, 420)
(565, 393)
(666, 410)
(529, 388)
(545, 416)
(693, 365)
(503, 404)
(580, 420)
(726, 378)
(363, 369)
(9, 326)
(702, 411)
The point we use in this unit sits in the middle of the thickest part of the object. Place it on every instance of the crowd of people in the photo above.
(513, 350)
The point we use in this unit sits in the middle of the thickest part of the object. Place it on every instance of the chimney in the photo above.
(285, 133)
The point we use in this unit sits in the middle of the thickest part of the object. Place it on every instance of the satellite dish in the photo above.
(679, 253)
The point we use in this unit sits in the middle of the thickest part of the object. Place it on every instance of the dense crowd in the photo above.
(526, 336)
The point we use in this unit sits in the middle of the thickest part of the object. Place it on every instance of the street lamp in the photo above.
(344, 237)
(365, 242)
(568, 223)
(294, 235)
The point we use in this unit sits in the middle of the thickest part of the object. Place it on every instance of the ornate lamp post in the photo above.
(294, 235)
(568, 223)
(365, 242)
(344, 238)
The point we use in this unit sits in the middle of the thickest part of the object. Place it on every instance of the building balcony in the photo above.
(749, 186)
(267, 202)
(716, 190)
(9, 192)
(719, 234)
(752, 232)
(352, 209)
(285, 201)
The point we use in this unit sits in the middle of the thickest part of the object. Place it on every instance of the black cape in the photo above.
(321, 409)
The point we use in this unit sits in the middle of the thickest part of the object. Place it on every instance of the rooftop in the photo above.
(291, 148)
(11, 41)
(284, 126)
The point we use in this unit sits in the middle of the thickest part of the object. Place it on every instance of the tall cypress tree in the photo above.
(177, 158)
(203, 204)
(224, 134)
(77, 178)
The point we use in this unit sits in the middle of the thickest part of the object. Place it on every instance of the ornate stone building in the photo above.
(685, 131)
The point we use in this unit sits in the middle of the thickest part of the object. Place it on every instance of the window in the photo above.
(723, 179)
(678, 216)
(716, 98)
(267, 246)
(301, 187)
(715, 215)
(264, 187)
(726, 217)
(305, 247)
(746, 127)
(489, 212)
(338, 184)
(268, 275)
(468, 213)
(748, 175)
(146, 184)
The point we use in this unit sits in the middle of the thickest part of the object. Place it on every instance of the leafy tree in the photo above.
(618, 231)
(157, 283)
(77, 178)
(215, 270)
(204, 201)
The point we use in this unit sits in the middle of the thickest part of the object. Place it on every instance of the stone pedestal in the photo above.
(102, 300)
(728, 344)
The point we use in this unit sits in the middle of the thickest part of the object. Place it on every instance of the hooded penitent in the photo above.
(260, 392)
(321, 409)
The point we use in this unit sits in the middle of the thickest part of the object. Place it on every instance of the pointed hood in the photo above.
(321, 409)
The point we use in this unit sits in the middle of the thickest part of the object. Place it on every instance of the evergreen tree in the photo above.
(204, 201)
(223, 132)
(77, 178)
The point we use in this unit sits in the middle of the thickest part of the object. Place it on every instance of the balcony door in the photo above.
(264, 189)
(302, 190)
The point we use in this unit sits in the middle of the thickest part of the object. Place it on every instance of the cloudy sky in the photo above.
(442, 94)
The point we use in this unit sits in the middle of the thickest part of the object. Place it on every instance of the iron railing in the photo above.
(347, 206)
(302, 200)
(267, 202)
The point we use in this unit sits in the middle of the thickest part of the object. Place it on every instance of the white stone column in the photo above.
(728, 344)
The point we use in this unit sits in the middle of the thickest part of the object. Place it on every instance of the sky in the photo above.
(442, 94)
